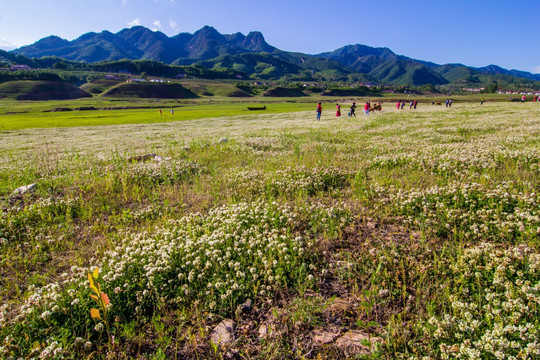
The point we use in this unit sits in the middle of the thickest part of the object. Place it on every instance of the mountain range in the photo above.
(253, 56)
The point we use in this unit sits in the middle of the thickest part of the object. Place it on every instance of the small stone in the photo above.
(246, 306)
(223, 140)
(223, 333)
(263, 331)
(160, 158)
(25, 189)
(321, 337)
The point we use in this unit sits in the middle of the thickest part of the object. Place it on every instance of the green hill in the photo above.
(213, 88)
(41, 90)
(455, 72)
(258, 66)
(399, 72)
(283, 92)
(99, 86)
(149, 90)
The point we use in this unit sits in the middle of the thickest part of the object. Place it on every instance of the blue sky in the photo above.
(475, 33)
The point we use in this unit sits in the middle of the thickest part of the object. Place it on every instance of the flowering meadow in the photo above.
(402, 235)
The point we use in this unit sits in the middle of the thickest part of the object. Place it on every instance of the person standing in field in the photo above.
(319, 111)
(414, 105)
(482, 101)
(523, 99)
(366, 108)
(411, 104)
(338, 110)
(160, 112)
(353, 109)
(398, 105)
(402, 104)
(172, 111)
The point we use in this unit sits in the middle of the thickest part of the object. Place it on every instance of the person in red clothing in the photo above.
(319, 111)
(338, 110)
(366, 108)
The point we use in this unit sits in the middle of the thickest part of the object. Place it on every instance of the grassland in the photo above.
(403, 234)
(28, 115)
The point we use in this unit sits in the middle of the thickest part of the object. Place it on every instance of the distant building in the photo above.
(473, 90)
(19, 67)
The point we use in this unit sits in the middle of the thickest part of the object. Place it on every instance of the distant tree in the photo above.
(60, 65)
(428, 88)
(491, 88)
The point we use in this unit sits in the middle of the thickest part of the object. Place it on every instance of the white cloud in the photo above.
(6, 45)
(135, 22)
(124, 2)
(157, 24)
(536, 70)
(173, 24)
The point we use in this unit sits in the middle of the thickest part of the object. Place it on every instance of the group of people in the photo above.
(401, 104)
(352, 111)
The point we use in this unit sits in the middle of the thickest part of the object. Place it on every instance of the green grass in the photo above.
(182, 112)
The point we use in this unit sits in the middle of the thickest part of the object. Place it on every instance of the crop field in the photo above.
(219, 232)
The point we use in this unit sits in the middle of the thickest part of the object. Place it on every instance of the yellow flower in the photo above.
(94, 313)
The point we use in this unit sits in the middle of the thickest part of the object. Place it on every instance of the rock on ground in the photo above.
(224, 332)
(24, 189)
